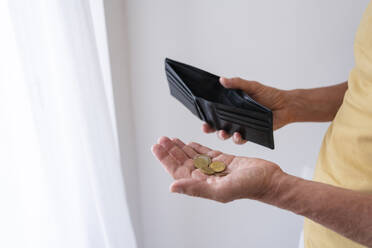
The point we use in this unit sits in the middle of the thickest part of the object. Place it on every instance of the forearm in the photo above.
(346, 212)
(318, 104)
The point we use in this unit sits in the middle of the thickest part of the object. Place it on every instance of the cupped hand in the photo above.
(275, 99)
(247, 177)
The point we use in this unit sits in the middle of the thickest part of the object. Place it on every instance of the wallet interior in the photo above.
(227, 109)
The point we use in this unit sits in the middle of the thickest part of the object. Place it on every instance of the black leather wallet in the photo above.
(227, 109)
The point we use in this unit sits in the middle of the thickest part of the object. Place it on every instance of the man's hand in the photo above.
(275, 99)
(344, 211)
(248, 177)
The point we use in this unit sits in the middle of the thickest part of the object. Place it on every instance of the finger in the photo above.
(207, 128)
(194, 187)
(199, 148)
(204, 150)
(173, 149)
(226, 158)
(178, 142)
(213, 153)
(168, 161)
(187, 149)
(237, 138)
(238, 83)
(223, 135)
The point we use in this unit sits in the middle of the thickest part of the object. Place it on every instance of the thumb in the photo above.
(193, 187)
(238, 83)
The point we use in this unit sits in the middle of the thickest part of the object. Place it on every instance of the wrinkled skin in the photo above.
(248, 177)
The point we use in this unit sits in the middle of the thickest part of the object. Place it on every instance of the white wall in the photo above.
(286, 44)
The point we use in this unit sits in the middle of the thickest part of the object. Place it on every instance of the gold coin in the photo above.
(221, 174)
(217, 166)
(207, 170)
(205, 157)
(202, 161)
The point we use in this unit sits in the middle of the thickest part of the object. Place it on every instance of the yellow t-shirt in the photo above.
(345, 159)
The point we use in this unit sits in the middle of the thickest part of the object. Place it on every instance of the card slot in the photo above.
(180, 89)
(200, 83)
(191, 106)
(171, 73)
(244, 124)
(244, 112)
(260, 119)
(180, 85)
(178, 80)
(261, 123)
(188, 98)
(262, 137)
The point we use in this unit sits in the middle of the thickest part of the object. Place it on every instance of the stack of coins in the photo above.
(204, 164)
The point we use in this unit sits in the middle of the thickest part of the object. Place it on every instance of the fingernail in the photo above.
(177, 190)
(224, 81)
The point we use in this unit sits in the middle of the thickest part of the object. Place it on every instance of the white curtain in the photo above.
(61, 183)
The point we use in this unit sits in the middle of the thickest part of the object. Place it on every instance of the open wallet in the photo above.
(223, 109)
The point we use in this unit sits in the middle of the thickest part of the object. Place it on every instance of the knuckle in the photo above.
(214, 153)
(236, 79)
(255, 84)
(173, 149)
(193, 144)
(219, 135)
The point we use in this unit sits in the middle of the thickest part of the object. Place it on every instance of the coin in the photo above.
(221, 174)
(207, 170)
(202, 161)
(217, 166)
(206, 157)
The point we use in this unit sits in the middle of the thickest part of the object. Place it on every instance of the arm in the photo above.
(318, 104)
(346, 212)
(288, 106)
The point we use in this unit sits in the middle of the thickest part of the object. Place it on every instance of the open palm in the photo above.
(247, 177)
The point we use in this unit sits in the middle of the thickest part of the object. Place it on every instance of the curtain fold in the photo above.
(62, 158)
